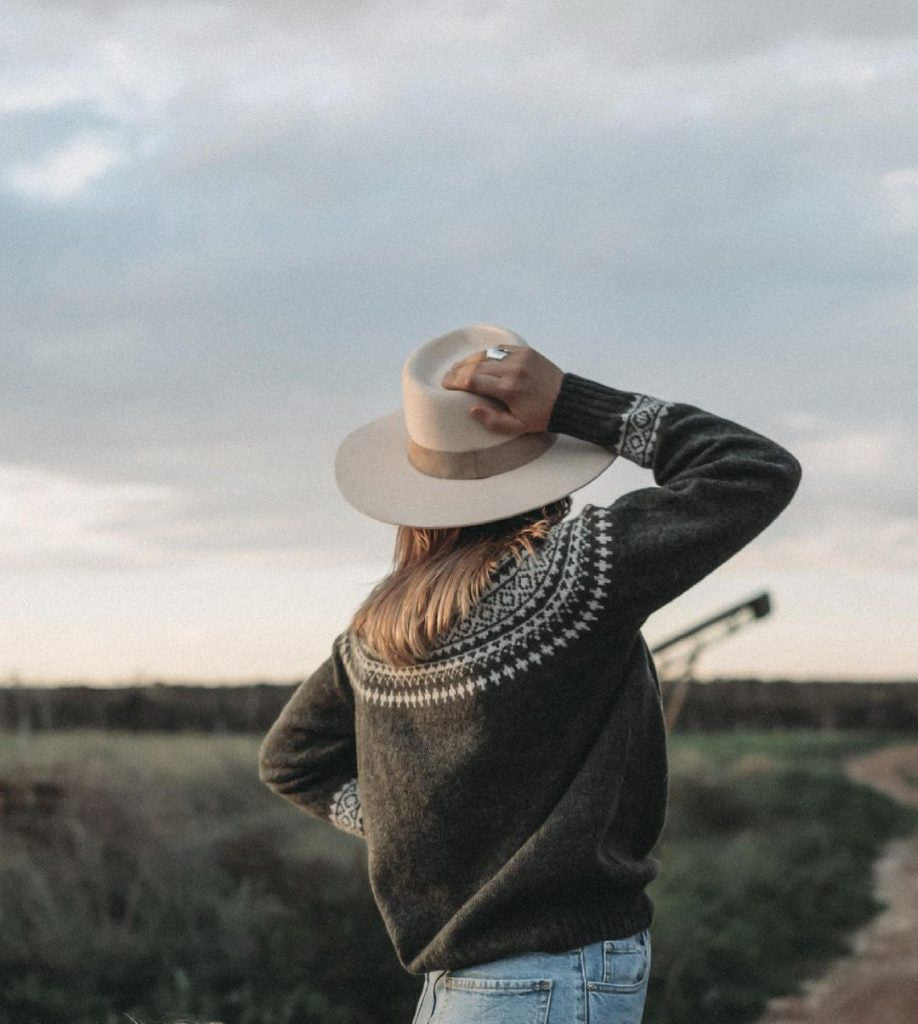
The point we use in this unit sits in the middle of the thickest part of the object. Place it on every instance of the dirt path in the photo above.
(878, 984)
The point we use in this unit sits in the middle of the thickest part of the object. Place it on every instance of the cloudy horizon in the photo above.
(227, 225)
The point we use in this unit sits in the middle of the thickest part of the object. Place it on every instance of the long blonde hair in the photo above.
(437, 577)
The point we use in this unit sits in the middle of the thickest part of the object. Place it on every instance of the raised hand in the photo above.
(525, 382)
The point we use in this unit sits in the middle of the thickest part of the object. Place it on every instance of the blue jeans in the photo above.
(603, 983)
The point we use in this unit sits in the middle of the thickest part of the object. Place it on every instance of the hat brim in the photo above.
(374, 475)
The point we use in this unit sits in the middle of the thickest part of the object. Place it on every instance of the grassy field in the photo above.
(153, 876)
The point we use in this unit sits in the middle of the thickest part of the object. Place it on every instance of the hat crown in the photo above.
(438, 418)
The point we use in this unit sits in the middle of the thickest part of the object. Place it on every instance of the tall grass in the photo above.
(156, 877)
(167, 881)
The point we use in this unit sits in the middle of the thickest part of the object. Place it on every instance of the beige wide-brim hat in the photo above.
(432, 464)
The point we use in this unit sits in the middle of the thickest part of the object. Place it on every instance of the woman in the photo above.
(491, 720)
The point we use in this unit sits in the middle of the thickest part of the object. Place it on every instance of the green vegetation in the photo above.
(153, 876)
(767, 860)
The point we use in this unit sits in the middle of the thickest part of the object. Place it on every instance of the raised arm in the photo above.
(309, 755)
(720, 484)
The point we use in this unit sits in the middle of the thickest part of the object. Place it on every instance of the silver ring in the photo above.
(497, 353)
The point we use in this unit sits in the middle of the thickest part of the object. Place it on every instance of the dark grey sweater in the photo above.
(511, 786)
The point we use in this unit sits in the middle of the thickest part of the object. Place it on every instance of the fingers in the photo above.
(493, 419)
(471, 377)
(462, 368)
(478, 362)
(525, 384)
(480, 357)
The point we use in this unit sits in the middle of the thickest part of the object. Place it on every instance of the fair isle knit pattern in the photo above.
(530, 612)
(346, 811)
(639, 430)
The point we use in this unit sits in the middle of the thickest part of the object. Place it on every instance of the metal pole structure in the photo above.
(697, 639)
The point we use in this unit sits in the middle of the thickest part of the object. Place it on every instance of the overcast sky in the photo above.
(226, 224)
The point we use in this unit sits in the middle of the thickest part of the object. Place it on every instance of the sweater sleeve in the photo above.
(309, 754)
(720, 484)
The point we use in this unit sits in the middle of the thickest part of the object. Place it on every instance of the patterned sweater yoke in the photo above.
(528, 615)
(511, 786)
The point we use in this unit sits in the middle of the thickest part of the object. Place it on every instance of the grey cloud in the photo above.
(216, 312)
(668, 31)
(659, 30)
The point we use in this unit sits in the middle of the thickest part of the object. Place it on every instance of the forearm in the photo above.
(309, 754)
(720, 485)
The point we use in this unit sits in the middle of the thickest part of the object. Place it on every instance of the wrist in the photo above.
(587, 409)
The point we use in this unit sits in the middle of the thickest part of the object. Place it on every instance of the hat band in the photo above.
(479, 462)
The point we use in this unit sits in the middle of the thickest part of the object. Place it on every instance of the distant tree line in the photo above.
(785, 704)
(719, 704)
(156, 707)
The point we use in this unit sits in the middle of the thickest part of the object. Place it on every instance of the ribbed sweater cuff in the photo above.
(589, 410)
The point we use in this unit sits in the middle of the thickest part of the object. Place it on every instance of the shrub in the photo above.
(762, 880)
